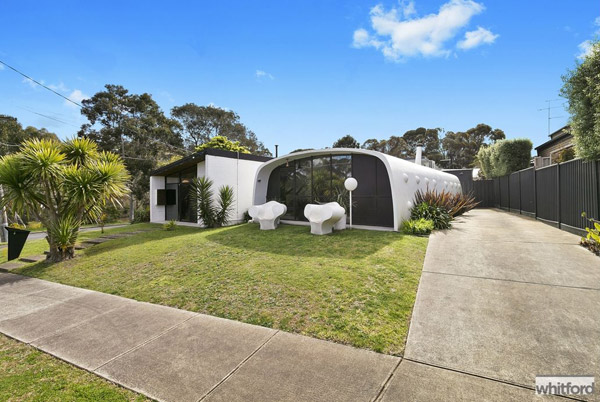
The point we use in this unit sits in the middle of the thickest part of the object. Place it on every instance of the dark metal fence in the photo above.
(556, 194)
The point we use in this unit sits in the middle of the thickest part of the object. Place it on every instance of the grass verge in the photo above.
(31, 375)
(354, 287)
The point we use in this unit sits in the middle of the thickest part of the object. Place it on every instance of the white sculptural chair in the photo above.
(267, 214)
(323, 217)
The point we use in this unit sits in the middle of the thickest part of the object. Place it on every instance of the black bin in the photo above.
(16, 241)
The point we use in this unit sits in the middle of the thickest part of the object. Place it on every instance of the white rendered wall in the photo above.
(405, 178)
(157, 212)
(236, 173)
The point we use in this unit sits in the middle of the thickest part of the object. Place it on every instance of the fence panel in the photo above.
(466, 178)
(578, 192)
(515, 191)
(504, 192)
(557, 193)
(546, 186)
(483, 191)
(497, 192)
(528, 191)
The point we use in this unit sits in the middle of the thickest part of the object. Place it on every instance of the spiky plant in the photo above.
(62, 184)
(201, 194)
(456, 204)
(224, 205)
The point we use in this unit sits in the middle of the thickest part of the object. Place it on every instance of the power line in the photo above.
(47, 117)
(42, 85)
(77, 104)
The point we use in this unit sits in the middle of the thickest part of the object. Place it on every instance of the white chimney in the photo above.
(419, 155)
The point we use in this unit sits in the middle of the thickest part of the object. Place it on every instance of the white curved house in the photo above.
(386, 184)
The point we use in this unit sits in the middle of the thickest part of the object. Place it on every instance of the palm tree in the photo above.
(62, 184)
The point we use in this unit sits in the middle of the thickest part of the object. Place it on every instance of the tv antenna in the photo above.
(549, 108)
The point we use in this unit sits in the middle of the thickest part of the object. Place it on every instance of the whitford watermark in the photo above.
(564, 385)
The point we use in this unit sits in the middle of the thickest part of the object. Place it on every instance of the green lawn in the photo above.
(33, 247)
(30, 375)
(355, 287)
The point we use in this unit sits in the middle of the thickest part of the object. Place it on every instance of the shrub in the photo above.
(171, 225)
(456, 204)
(201, 194)
(418, 227)
(141, 214)
(16, 226)
(566, 155)
(34, 225)
(581, 88)
(222, 142)
(504, 157)
(113, 213)
(592, 239)
(438, 215)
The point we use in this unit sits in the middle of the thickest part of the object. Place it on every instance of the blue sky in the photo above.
(302, 74)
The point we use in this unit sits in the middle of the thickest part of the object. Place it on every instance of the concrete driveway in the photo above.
(504, 298)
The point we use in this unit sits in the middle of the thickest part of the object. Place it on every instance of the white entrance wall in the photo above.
(157, 212)
(237, 173)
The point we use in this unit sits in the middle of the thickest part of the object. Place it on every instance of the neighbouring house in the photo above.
(170, 184)
(386, 184)
(549, 151)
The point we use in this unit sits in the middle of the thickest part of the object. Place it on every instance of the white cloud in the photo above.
(362, 38)
(76, 96)
(585, 47)
(408, 8)
(60, 87)
(399, 36)
(260, 74)
(476, 38)
(31, 83)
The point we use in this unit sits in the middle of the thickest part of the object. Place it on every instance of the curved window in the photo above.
(320, 179)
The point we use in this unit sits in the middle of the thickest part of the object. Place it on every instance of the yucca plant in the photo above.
(224, 205)
(62, 184)
(201, 194)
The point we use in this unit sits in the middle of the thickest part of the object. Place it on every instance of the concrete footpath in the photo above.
(501, 299)
(505, 298)
(176, 355)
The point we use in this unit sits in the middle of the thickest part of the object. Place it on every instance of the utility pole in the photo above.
(549, 108)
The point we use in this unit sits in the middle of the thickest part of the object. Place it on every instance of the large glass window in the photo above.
(320, 179)
(184, 210)
(309, 180)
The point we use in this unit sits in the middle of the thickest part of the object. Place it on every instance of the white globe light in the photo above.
(350, 184)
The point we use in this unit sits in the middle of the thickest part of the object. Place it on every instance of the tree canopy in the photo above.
(12, 134)
(461, 148)
(134, 127)
(405, 146)
(582, 89)
(198, 124)
(346, 141)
